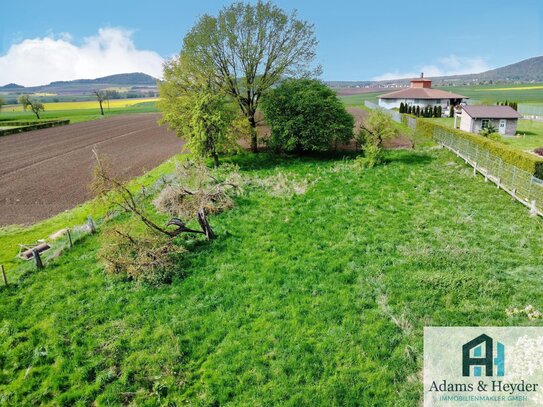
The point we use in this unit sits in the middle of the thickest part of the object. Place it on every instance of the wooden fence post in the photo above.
(69, 238)
(4, 275)
(37, 259)
(90, 224)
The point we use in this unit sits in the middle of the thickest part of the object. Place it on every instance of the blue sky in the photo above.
(358, 40)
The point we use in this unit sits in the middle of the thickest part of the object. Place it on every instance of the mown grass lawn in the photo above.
(318, 298)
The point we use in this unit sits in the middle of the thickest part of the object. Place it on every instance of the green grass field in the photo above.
(532, 93)
(311, 299)
(78, 115)
(83, 105)
(358, 100)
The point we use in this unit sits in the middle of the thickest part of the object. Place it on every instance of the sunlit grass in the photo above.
(317, 298)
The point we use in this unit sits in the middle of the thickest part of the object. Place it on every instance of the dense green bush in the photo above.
(306, 115)
(511, 155)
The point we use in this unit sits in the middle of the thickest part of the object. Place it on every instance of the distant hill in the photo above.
(135, 78)
(11, 86)
(86, 86)
(528, 70)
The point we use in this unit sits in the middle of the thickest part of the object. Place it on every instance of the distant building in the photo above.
(421, 94)
(475, 118)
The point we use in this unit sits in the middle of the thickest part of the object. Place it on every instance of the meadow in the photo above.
(358, 100)
(313, 297)
(499, 93)
(89, 104)
(79, 111)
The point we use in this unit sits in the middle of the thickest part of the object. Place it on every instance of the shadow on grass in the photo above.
(409, 157)
(263, 161)
(526, 133)
(267, 160)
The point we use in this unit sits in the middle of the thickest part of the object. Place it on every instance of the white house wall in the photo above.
(475, 125)
(395, 103)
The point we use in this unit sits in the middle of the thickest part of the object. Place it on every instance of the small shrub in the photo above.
(488, 130)
(372, 155)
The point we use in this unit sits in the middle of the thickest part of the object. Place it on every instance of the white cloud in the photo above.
(39, 61)
(451, 65)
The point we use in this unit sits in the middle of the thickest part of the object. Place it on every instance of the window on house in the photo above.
(484, 123)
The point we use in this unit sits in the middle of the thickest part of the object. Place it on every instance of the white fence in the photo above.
(520, 184)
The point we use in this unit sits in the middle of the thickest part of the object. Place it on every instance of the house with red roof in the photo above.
(421, 94)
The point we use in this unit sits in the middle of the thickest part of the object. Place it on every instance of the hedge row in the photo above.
(520, 159)
(28, 126)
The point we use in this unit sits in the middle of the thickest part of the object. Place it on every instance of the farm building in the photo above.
(421, 94)
(475, 118)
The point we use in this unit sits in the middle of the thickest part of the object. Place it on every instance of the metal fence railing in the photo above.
(520, 184)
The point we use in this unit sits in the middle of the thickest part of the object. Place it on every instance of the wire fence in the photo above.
(520, 184)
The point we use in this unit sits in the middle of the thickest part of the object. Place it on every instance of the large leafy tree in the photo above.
(248, 48)
(201, 115)
(306, 115)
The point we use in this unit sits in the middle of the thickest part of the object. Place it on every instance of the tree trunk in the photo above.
(37, 115)
(254, 139)
(215, 160)
(101, 108)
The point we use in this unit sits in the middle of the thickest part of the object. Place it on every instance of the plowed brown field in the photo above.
(45, 172)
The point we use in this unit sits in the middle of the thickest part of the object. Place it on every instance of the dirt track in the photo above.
(45, 172)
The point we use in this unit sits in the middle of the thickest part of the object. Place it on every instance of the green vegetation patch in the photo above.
(500, 93)
(526, 161)
(316, 297)
(77, 115)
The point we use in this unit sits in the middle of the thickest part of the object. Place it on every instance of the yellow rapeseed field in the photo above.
(91, 104)
(516, 88)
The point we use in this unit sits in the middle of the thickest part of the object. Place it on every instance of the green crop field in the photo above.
(310, 298)
(91, 112)
(358, 100)
(499, 93)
